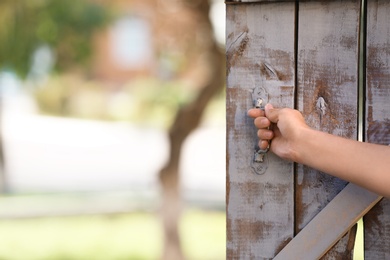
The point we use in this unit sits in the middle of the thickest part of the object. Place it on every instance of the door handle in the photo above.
(259, 161)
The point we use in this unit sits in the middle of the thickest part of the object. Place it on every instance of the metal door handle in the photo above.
(260, 159)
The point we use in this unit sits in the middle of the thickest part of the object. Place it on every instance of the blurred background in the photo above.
(112, 129)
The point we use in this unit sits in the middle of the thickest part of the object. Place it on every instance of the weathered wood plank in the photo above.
(377, 221)
(327, 95)
(254, 1)
(330, 224)
(260, 208)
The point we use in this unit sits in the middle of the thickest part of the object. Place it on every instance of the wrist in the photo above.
(300, 146)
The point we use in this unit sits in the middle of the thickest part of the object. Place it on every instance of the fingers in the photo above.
(262, 122)
(271, 113)
(263, 144)
(255, 112)
(265, 134)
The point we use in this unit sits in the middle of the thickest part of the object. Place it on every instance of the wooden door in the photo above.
(303, 55)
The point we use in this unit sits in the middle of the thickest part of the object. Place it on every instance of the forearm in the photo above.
(364, 164)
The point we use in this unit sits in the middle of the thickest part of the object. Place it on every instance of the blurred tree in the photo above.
(203, 54)
(66, 27)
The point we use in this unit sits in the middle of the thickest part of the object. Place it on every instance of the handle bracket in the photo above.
(259, 162)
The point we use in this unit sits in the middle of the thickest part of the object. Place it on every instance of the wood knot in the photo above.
(321, 105)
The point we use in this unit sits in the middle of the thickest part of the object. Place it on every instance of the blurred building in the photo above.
(147, 37)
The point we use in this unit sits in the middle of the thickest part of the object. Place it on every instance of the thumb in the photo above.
(271, 113)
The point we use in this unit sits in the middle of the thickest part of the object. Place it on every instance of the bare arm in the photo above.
(367, 165)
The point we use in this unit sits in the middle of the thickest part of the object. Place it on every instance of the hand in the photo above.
(283, 126)
(294, 140)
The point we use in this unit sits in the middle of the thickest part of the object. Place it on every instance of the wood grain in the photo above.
(260, 208)
(261, 218)
(254, 1)
(340, 215)
(327, 95)
(377, 221)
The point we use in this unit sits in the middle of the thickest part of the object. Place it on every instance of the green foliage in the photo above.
(158, 101)
(131, 236)
(148, 101)
(72, 96)
(66, 26)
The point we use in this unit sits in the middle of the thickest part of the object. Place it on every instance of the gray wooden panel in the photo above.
(327, 95)
(377, 221)
(339, 216)
(254, 1)
(260, 208)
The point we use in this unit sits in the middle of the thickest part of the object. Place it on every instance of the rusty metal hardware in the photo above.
(259, 162)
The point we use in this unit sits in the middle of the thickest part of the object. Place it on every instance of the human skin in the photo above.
(365, 164)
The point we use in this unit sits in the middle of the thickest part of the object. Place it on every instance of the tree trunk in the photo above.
(186, 120)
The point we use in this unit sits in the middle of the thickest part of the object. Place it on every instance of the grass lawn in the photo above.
(115, 237)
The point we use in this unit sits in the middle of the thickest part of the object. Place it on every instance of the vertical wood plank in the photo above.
(327, 96)
(260, 209)
(253, 1)
(377, 221)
